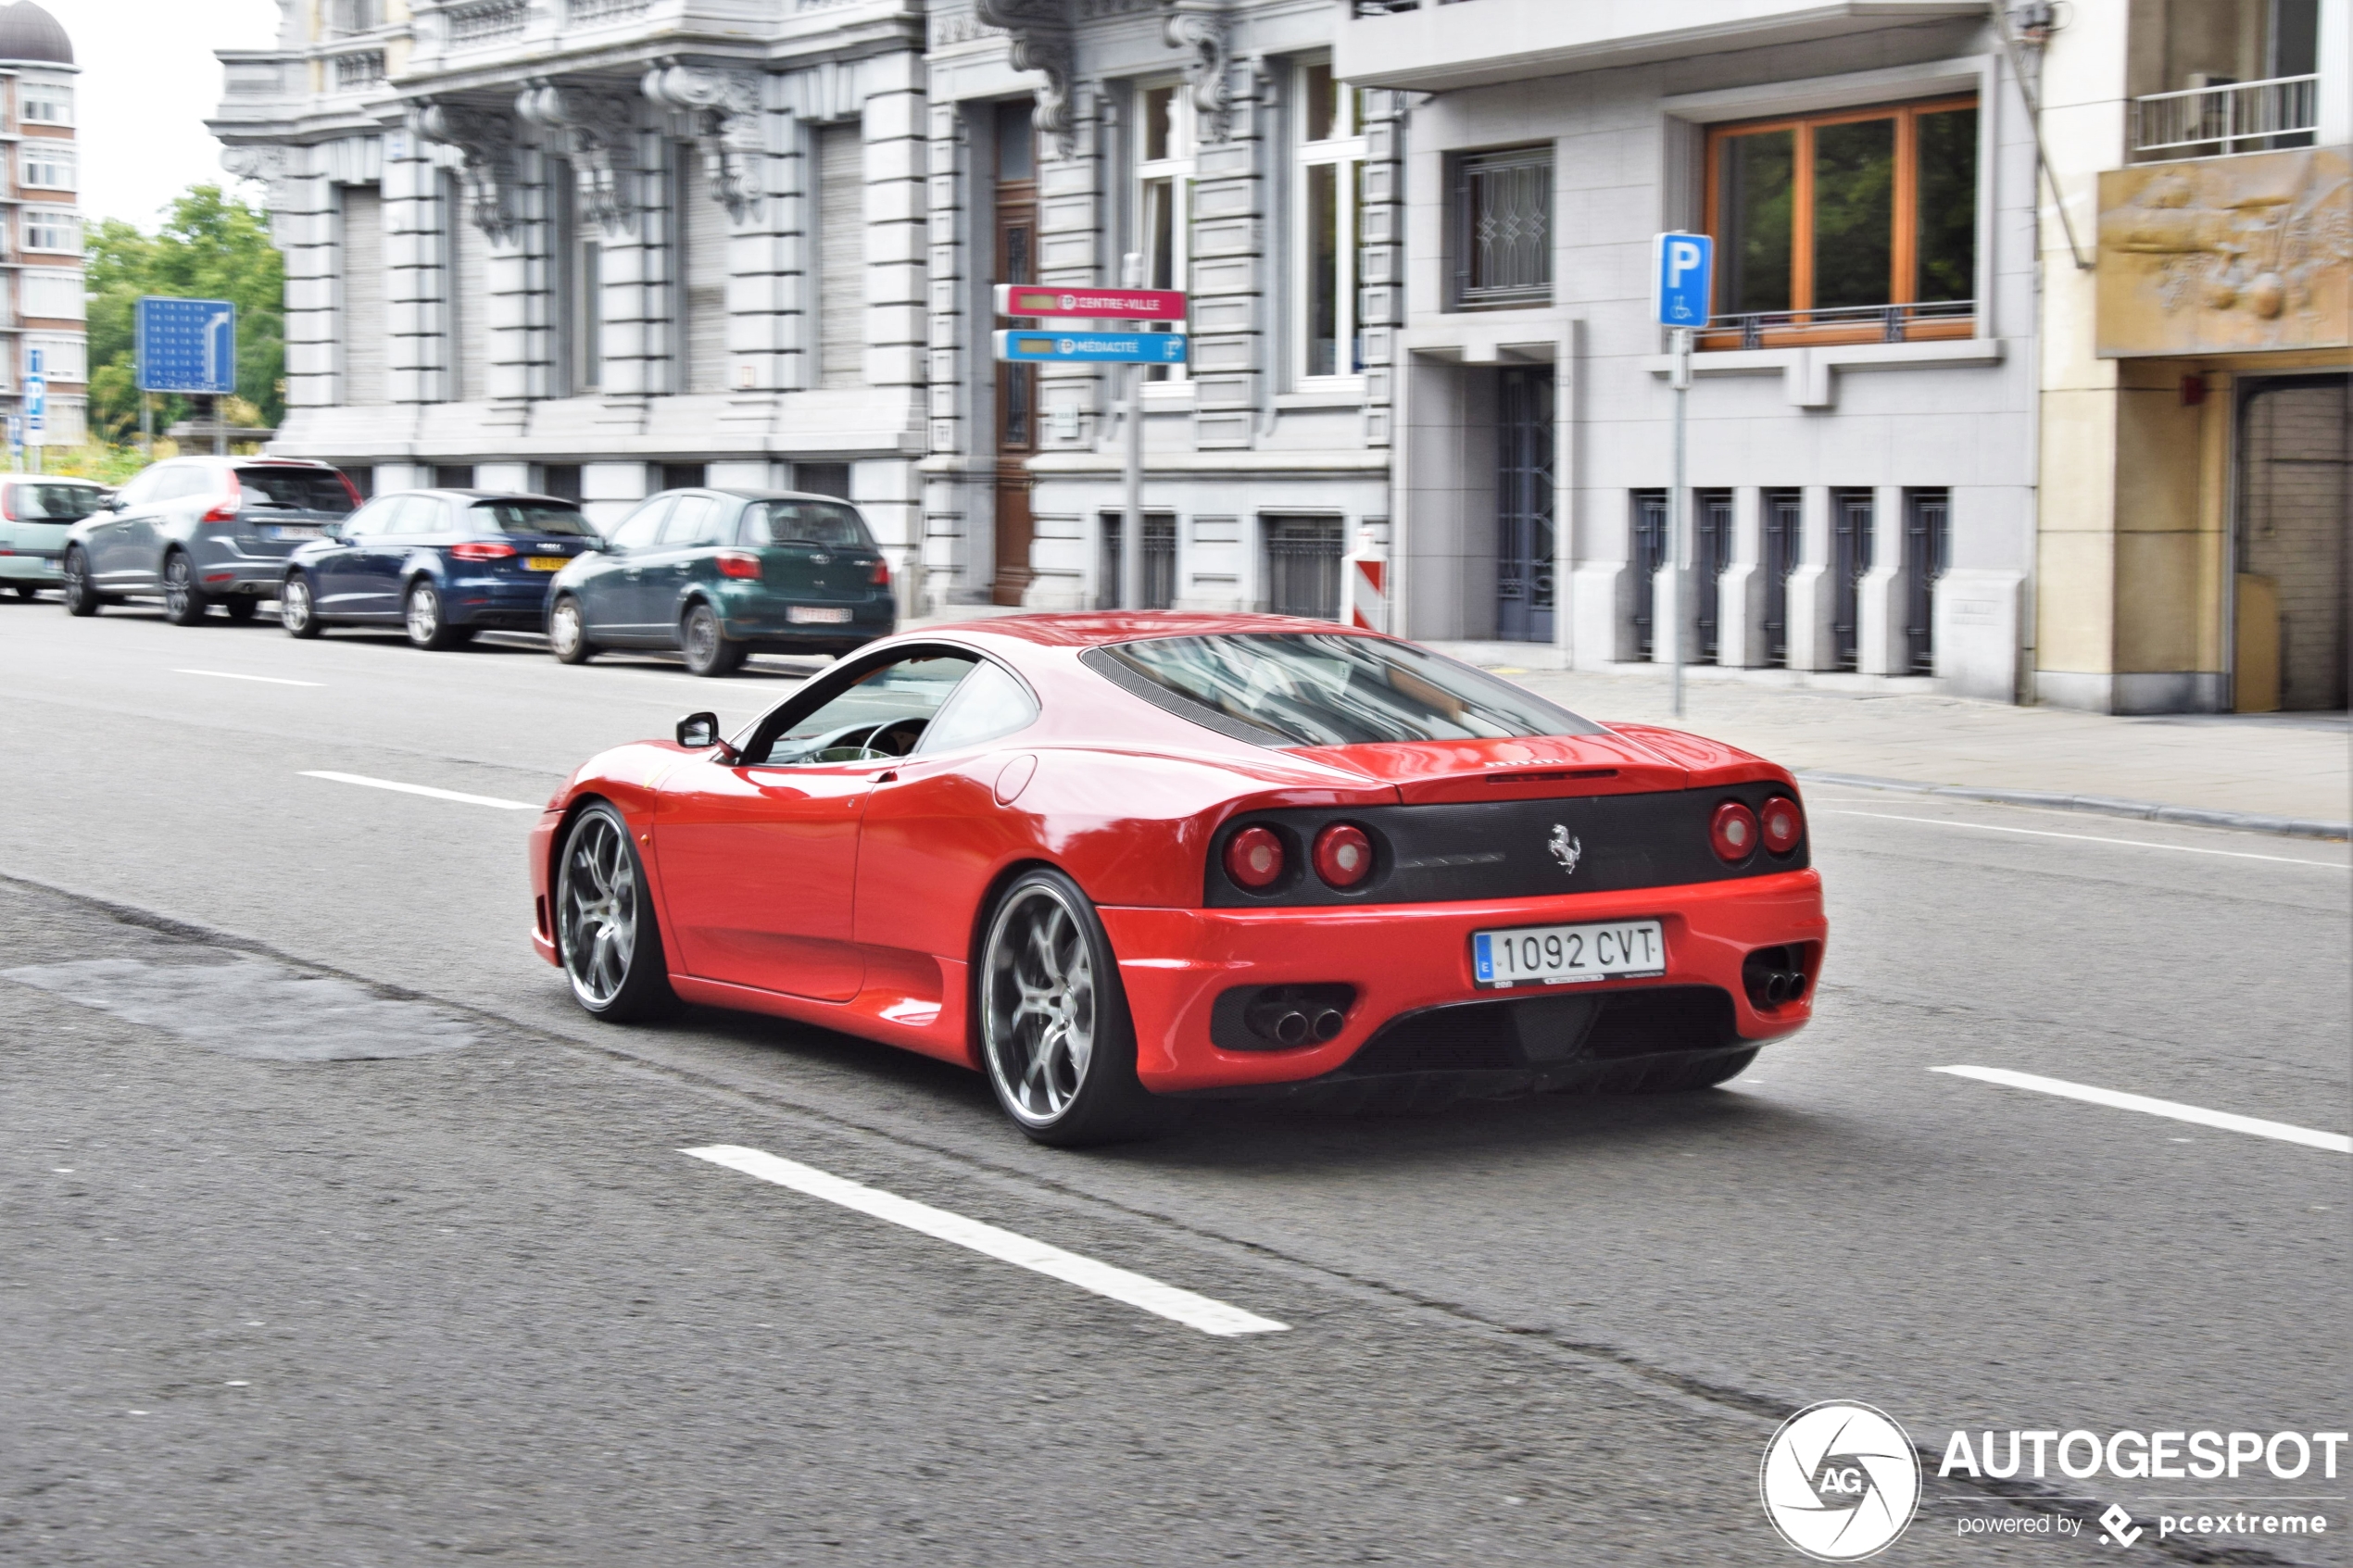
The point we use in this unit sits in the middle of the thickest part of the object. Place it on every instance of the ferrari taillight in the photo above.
(1343, 855)
(1254, 857)
(483, 549)
(1782, 824)
(1733, 831)
(737, 563)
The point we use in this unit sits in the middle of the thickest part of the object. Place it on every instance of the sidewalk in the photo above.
(2277, 773)
(2281, 772)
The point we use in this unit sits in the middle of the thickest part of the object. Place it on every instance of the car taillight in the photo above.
(8, 502)
(350, 489)
(1783, 823)
(738, 564)
(483, 549)
(881, 577)
(1733, 831)
(1254, 857)
(225, 509)
(1343, 855)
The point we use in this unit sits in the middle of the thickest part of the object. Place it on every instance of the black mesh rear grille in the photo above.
(1488, 1036)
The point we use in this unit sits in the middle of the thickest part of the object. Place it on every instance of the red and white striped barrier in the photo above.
(1364, 575)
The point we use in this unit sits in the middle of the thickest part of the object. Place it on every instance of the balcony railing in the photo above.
(363, 68)
(1392, 7)
(487, 21)
(2243, 116)
(592, 13)
(1856, 323)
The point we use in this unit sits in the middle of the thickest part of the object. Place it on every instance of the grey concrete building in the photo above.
(1863, 420)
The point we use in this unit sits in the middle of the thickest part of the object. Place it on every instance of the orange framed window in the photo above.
(1851, 226)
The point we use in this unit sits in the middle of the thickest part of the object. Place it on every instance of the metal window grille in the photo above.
(1303, 566)
(1648, 554)
(1504, 228)
(1851, 518)
(1712, 552)
(362, 70)
(487, 21)
(1783, 514)
(1928, 549)
(1525, 542)
(2238, 117)
(1159, 586)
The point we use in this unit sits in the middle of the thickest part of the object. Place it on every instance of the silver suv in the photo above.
(200, 531)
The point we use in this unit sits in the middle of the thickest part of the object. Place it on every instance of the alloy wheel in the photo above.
(597, 908)
(564, 629)
(79, 598)
(1038, 1001)
(179, 588)
(424, 615)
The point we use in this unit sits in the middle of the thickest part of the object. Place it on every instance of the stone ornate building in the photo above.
(41, 249)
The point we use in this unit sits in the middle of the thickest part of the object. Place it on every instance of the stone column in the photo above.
(1812, 597)
(1739, 593)
(304, 224)
(892, 130)
(948, 410)
(1380, 274)
(419, 368)
(1231, 255)
(769, 339)
(639, 265)
(1880, 647)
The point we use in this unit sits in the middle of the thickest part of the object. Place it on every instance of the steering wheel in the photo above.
(879, 744)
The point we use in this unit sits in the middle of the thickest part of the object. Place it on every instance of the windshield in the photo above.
(533, 516)
(52, 503)
(1328, 689)
(299, 490)
(805, 523)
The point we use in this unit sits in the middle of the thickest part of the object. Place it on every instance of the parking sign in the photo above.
(187, 345)
(1682, 269)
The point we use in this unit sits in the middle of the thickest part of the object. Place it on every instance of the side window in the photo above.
(376, 517)
(695, 521)
(424, 514)
(881, 714)
(179, 484)
(142, 486)
(643, 526)
(989, 703)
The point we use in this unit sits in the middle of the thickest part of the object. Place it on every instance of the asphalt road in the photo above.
(335, 1233)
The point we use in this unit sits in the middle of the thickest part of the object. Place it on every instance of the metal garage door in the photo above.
(841, 246)
(363, 295)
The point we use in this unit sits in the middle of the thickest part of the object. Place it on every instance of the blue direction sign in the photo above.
(1095, 348)
(1682, 269)
(187, 345)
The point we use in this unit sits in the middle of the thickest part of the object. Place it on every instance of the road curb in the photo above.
(2102, 805)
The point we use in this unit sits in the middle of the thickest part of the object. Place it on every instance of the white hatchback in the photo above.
(35, 511)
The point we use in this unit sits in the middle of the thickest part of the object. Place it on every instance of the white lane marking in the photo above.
(1166, 1300)
(2088, 838)
(265, 680)
(2337, 1143)
(458, 795)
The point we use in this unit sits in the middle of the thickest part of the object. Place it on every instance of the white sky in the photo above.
(149, 79)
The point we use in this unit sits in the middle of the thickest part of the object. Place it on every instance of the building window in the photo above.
(62, 358)
(1504, 228)
(1331, 171)
(1848, 227)
(1163, 196)
(50, 228)
(47, 162)
(53, 296)
(348, 17)
(1303, 566)
(45, 103)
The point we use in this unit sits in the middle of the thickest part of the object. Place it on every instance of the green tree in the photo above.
(209, 246)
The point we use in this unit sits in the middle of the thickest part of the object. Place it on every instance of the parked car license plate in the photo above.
(1567, 955)
(816, 615)
(546, 563)
(296, 531)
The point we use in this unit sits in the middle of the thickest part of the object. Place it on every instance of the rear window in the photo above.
(1311, 688)
(534, 516)
(52, 503)
(299, 490)
(805, 523)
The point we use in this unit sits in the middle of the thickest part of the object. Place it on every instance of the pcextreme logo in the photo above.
(1840, 1481)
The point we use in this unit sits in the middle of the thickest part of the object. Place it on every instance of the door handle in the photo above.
(684, 567)
(635, 572)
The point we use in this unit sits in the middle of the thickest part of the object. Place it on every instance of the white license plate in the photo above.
(816, 615)
(296, 531)
(1567, 955)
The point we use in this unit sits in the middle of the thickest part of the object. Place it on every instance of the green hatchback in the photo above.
(720, 574)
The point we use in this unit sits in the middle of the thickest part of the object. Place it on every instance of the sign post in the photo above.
(188, 346)
(1051, 345)
(1682, 269)
(36, 409)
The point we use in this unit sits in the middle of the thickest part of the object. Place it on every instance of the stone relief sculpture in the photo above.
(595, 126)
(723, 107)
(486, 142)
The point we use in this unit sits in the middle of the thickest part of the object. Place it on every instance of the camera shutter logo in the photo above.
(1840, 1481)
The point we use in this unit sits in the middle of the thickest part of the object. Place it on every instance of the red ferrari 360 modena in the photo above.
(1114, 860)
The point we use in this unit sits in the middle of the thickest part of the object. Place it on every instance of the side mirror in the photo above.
(111, 504)
(700, 731)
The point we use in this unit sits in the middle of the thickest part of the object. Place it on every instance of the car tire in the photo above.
(705, 644)
(240, 608)
(1056, 1039)
(607, 936)
(568, 632)
(298, 607)
(183, 602)
(73, 586)
(27, 590)
(423, 615)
